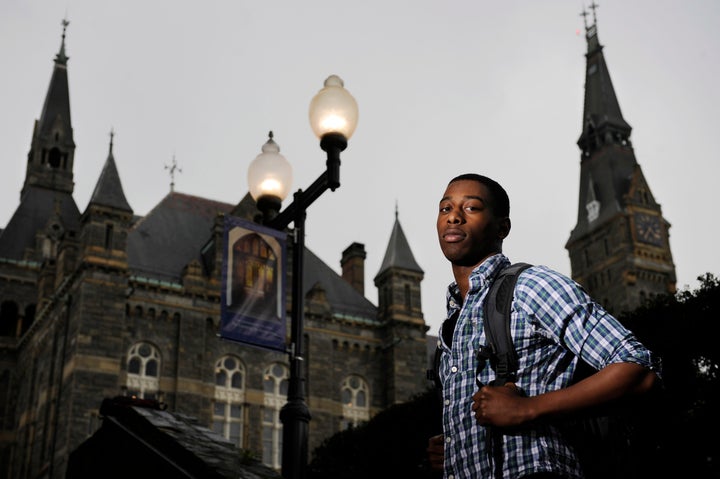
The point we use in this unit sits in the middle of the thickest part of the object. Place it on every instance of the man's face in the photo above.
(468, 230)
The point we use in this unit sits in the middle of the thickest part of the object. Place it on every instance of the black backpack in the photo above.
(601, 439)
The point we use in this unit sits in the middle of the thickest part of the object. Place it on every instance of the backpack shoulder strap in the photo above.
(496, 319)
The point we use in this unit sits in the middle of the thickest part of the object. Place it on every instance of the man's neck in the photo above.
(462, 274)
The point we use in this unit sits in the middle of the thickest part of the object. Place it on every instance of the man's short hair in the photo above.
(500, 203)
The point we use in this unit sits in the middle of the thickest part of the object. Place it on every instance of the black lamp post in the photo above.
(333, 117)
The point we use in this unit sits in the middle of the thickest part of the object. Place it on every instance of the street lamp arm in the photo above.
(333, 144)
(302, 199)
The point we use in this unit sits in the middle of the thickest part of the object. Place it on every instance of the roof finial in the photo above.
(396, 209)
(593, 7)
(61, 57)
(112, 136)
(172, 169)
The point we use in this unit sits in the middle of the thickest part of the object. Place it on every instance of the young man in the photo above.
(553, 323)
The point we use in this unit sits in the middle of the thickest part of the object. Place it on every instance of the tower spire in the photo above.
(608, 257)
(603, 122)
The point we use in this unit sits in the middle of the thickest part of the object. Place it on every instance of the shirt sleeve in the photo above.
(566, 314)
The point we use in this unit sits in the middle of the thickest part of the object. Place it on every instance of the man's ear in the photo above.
(504, 229)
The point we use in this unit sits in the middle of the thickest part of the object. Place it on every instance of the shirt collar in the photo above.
(479, 277)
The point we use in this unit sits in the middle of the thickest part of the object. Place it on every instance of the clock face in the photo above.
(648, 229)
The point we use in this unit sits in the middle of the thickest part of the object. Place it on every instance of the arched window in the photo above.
(143, 371)
(356, 408)
(229, 399)
(275, 387)
(8, 318)
(54, 158)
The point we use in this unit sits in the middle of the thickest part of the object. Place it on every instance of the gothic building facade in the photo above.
(99, 302)
(620, 247)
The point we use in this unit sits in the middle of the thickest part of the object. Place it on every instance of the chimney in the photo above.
(353, 266)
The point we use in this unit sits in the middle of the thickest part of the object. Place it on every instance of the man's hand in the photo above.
(500, 406)
(436, 452)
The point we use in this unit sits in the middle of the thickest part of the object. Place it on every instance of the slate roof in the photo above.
(171, 235)
(37, 206)
(163, 444)
(345, 300)
(175, 231)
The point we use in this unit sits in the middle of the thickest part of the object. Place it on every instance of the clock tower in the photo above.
(619, 249)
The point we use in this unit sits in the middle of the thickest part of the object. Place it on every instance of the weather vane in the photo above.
(172, 169)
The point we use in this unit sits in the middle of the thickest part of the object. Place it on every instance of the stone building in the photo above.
(98, 302)
(620, 247)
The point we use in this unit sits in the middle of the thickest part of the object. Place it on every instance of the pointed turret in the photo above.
(108, 190)
(106, 220)
(398, 253)
(398, 280)
(400, 313)
(52, 150)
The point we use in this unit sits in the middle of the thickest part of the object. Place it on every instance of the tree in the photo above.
(683, 329)
(391, 445)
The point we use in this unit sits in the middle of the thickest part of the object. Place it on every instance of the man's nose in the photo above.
(455, 216)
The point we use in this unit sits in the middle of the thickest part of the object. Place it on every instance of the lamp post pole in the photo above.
(295, 414)
(333, 114)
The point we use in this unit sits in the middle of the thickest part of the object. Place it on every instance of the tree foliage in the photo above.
(683, 329)
(674, 434)
(391, 445)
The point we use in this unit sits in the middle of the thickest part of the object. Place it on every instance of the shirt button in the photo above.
(447, 401)
(439, 343)
(453, 369)
(451, 476)
(448, 440)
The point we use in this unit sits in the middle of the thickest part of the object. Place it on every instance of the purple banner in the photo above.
(253, 284)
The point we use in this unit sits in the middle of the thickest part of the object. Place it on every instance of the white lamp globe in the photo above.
(270, 174)
(333, 110)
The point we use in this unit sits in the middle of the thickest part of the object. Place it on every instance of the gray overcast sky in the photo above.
(443, 87)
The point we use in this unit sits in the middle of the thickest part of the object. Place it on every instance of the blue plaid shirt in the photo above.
(553, 322)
